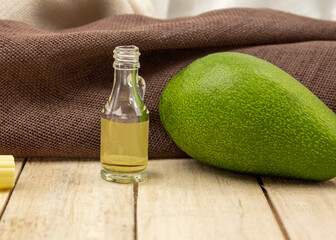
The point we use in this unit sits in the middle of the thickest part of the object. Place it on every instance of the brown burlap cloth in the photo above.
(54, 84)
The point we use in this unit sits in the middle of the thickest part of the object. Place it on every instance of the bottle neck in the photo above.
(126, 64)
(126, 99)
(123, 77)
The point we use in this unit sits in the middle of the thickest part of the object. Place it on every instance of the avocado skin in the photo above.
(241, 113)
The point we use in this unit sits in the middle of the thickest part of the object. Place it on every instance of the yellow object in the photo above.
(124, 146)
(7, 171)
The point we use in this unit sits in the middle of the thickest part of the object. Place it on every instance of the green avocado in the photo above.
(241, 113)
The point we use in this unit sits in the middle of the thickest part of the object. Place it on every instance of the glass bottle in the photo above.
(125, 122)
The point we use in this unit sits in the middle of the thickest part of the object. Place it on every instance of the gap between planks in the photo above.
(274, 210)
(5, 195)
(135, 199)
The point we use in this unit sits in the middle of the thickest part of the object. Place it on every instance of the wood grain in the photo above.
(184, 199)
(67, 200)
(307, 209)
(5, 193)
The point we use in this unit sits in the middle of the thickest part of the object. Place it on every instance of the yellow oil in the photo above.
(124, 146)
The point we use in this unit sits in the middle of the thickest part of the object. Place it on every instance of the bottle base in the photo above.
(123, 177)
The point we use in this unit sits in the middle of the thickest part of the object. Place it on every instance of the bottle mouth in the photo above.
(126, 54)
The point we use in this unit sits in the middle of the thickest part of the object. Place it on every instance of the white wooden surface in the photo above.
(188, 200)
(183, 199)
(67, 200)
(307, 209)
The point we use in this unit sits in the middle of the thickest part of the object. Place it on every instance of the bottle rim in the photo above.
(126, 53)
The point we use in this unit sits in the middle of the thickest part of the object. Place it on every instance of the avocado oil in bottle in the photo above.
(125, 122)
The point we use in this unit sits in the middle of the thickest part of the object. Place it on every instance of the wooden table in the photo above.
(183, 199)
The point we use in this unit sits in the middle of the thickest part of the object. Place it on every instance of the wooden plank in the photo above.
(5, 193)
(307, 209)
(185, 199)
(67, 200)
